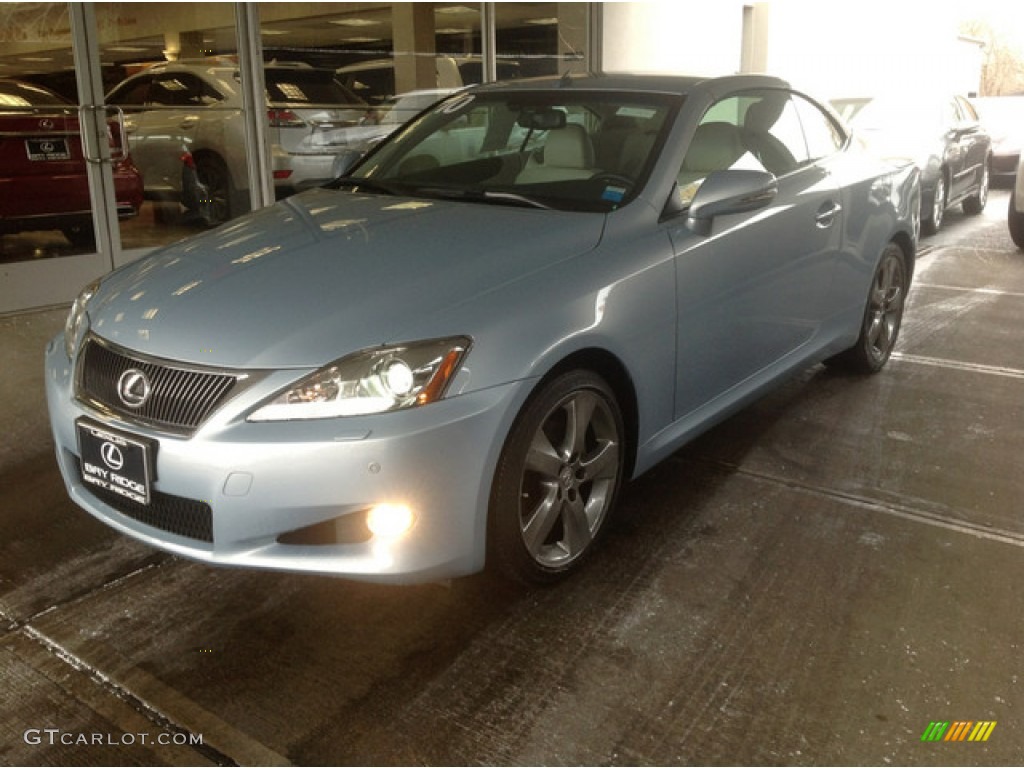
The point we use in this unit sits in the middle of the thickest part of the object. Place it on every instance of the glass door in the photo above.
(122, 128)
(53, 154)
(172, 79)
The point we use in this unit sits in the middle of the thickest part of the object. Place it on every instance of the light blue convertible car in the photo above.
(456, 355)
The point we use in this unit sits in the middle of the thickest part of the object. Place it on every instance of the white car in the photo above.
(1015, 216)
(374, 80)
(184, 123)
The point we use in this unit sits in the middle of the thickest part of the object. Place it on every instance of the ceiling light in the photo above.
(455, 9)
(354, 22)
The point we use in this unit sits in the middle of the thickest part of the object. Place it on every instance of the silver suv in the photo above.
(185, 131)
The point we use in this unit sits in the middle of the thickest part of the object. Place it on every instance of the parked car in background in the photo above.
(374, 80)
(942, 135)
(461, 351)
(184, 123)
(382, 121)
(1003, 118)
(43, 181)
(1015, 215)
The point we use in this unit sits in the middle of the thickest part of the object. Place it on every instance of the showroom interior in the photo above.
(827, 577)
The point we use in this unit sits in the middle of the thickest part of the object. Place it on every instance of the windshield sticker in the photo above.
(613, 194)
(458, 104)
(643, 113)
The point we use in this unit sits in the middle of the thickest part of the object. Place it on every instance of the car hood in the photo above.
(325, 273)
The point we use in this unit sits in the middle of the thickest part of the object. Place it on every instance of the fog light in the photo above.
(389, 520)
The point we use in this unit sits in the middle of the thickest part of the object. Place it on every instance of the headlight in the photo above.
(77, 317)
(372, 381)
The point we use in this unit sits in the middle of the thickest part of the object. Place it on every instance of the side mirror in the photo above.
(726, 192)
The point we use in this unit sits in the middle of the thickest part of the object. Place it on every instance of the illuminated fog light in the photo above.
(389, 520)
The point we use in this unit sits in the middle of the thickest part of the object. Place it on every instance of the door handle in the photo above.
(826, 215)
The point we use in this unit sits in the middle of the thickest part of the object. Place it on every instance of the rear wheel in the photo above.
(557, 479)
(214, 204)
(882, 316)
(1015, 221)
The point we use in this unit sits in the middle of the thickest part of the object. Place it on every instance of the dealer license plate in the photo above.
(115, 462)
(47, 149)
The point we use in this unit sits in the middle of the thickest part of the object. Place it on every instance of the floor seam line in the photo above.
(150, 712)
(1000, 535)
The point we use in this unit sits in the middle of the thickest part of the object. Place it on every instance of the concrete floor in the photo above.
(813, 582)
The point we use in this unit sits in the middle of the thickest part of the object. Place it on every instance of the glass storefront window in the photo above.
(339, 77)
(535, 39)
(171, 74)
(45, 208)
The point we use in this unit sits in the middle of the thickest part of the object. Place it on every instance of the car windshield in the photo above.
(306, 87)
(568, 150)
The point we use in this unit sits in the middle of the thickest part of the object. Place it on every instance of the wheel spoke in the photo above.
(577, 527)
(539, 523)
(542, 457)
(602, 463)
(579, 412)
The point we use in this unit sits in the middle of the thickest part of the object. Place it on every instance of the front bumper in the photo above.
(268, 484)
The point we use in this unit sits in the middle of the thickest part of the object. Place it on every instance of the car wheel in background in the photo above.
(80, 235)
(931, 220)
(975, 204)
(557, 479)
(215, 191)
(1015, 221)
(882, 316)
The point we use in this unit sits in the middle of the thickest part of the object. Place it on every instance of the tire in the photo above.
(557, 480)
(931, 220)
(214, 204)
(81, 235)
(883, 315)
(975, 204)
(1015, 222)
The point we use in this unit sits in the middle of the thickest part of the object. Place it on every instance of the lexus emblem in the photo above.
(112, 456)
(46, 147)
(46, 124)
(133, 388)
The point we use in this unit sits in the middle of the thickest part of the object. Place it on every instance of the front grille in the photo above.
(174, 514)
(180, 397)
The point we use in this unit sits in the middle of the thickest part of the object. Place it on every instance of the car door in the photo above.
(755, 290)
(974, 143)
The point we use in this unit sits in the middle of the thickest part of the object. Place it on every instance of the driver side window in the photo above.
(757, 130)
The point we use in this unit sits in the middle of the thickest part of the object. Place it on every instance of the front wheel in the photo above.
(557, 479)
(975, 204)
(931, 220)
(1015, 221)
(882, 316)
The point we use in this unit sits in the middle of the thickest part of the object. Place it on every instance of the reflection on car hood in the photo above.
(324, 273)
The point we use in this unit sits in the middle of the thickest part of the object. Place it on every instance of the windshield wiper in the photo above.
(480, 196)
(370, 184)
